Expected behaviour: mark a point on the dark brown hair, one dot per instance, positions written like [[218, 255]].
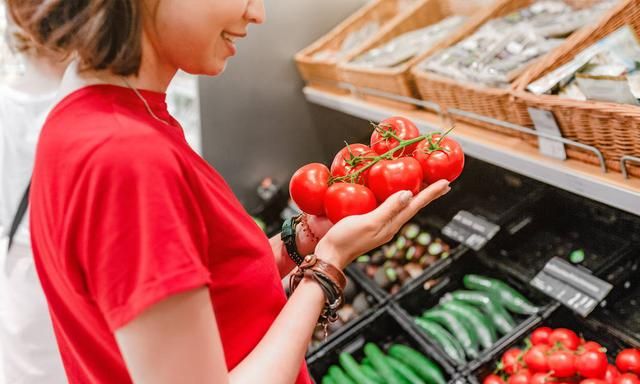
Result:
[[105, 34]]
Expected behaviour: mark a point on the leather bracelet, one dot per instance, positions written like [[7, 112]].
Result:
[[288, 237], [331, 280]]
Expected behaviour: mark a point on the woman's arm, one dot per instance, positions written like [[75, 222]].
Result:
[[177, 340], [304, 242]]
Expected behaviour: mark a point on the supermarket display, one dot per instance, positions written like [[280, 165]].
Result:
[[502, 48], [399, 158]]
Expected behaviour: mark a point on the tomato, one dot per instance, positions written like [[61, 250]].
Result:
[[628, 360], [611, 374], [346, 199], [536, 358], [562, 363], [308, 186], [592, 381], [445, 162], [592, 364], [511, 361], [627, 378], [566, 337], [345, 163], [387, 177], [521, 377], [403, 128], [540, 378], [591, 346], [541, 335], [493, 379]]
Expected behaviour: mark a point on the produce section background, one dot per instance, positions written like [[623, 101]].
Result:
[[255, 121]]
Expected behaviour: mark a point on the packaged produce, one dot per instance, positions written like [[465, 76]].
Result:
[[361, 177], [395, 264], [467, 322], [408, 45], [502, 48], [605, 71]]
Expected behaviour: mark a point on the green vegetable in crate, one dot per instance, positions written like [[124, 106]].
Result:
[[328, 380], [458, 327], [380, 364], [509, 297], [403, 370], [449, 344], [499, 316], [338, 376], [424, 367], [371, 373], [351, 367], [483, 326]]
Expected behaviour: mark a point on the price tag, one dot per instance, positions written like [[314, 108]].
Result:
[[573, 287], [470, 230], [545, 122]]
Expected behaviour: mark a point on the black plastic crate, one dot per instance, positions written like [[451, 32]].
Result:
[[427, 292], [355, 293], [560, 318], [559, 225], [383, 328]]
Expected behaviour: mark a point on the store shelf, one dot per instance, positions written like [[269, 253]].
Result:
[[507, 152]]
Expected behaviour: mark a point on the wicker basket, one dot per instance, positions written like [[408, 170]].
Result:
[[495, 103], [612, 128], [398, 80], [325, 72]]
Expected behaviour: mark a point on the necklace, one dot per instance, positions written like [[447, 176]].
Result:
[[144, 101]]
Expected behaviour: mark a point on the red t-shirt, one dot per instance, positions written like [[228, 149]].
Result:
[[125, 214]]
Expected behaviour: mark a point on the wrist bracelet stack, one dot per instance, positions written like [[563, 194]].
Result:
[[332, 281]]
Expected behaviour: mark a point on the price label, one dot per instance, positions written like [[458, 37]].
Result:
[[470, 230], [545, 122], [575, 288]]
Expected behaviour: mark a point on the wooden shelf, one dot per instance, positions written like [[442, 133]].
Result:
[[506, 152]]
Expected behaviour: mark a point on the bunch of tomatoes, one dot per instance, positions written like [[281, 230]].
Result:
[[560, 356], [363, 176]]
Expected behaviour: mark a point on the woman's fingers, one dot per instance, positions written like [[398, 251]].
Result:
[[422, 199]]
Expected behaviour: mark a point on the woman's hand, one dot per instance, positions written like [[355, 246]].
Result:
[[356, 235]]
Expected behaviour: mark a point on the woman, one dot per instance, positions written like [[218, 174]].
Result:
[[152, 270], [29, 351]]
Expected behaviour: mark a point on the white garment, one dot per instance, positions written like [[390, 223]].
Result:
[[29, 349]]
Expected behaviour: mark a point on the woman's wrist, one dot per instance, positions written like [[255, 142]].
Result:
[[329, 254]]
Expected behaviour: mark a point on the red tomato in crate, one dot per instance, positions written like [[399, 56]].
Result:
[[541, 335], [627, 378], [592, 364], [347, 199], [628, 360], [590, 346], [493, 379], [536, 358], [308, 186], [611, 374], [342, 163], [566, 337], [521, 377], [592, 381], [562, 363], [540, 378], [402, 127], [511, 361], [387, 177], [446, 162]]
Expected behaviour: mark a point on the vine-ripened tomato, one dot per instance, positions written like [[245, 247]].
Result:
[[387, 177], [592, 364], [541, 335], [347, 199], [308, 187], [628, 360], [342, 163], [511, 361], [566, 337], [540, 378], [536, 358], [627, 378], [612, 374], [562, 363], [493, 379], [440, 159], [592, 381], [402, 127], [590, 346], [523, 376]]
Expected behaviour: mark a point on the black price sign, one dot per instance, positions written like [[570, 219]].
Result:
[[573, 287], [470, 230]]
